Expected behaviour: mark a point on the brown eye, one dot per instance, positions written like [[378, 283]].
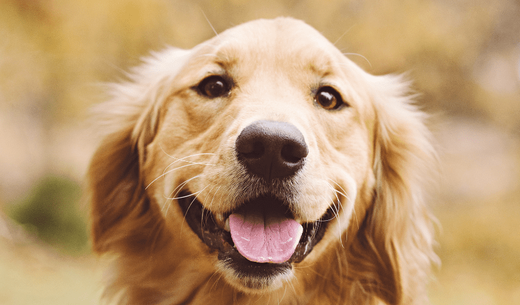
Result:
[[214, 86], [329, 99]]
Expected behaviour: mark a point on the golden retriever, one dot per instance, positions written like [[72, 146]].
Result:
[[262, 167]]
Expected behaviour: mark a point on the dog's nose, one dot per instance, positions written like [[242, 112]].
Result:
[[271, 149]]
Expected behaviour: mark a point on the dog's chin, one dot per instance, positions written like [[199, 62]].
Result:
[[240, 272], [253, 277]]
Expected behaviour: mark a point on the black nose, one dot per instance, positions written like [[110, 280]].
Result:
[[271, 149]]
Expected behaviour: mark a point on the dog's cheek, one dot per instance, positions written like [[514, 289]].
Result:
[[158, 182], [314, 196], [161, 188]]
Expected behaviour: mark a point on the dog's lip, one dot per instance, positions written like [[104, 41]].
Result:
[[214, 232]]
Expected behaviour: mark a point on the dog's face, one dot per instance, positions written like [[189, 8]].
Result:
[[273, 135], [258, 153]]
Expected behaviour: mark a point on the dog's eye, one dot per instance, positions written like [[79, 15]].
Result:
[[214, 86], [329, 98]]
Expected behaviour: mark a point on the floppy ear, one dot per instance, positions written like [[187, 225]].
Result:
[[394, 251], [120, 209]]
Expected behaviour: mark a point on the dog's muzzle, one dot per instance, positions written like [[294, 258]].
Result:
[[261, 238]]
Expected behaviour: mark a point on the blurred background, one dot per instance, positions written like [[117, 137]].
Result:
[[463, 55]]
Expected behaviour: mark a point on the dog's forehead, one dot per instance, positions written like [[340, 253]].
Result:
[[281, 41], [286, 31]]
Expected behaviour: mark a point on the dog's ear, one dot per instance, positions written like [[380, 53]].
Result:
[[129, 120], [396, 238]]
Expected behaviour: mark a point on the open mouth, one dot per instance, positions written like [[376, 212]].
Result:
[[257, 240]]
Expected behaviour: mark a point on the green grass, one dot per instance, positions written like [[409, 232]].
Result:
[[52, 213], [49, 263]]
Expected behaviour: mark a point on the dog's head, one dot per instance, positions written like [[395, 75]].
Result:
[[260, 155]]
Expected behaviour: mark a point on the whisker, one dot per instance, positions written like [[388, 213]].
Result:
[[340, 260], [215, 281], [186, 196], [336, 207], [291, 284], [340, 235], [310, 268], [211, 25], [178, 189], [179, 159], [318, 224], [335, 210], [191, 162], [345, 33], [344, 193], [189, 206], [359, 55], [154, 236], [167, 172], [284, 292], [204, 209]]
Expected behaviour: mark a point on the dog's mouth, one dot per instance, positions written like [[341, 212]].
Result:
[[259, 239]]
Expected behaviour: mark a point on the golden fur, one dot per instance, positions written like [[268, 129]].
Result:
[[161, 136]]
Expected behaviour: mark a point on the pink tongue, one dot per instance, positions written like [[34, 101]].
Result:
[[264, 238]]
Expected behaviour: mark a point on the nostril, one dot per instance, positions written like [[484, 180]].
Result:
[[294, 153], [250, 150]]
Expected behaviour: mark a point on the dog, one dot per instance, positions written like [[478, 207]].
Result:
[[262, 167]]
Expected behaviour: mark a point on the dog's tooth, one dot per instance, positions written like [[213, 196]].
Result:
[[219, 218], [226, 225]]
